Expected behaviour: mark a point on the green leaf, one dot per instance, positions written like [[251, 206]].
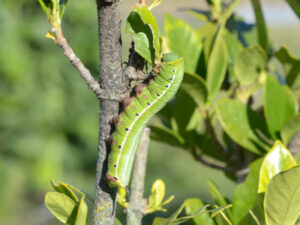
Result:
[[245, 194], [290, 129], [44, 7], [279, 105], [218, 197], [82, 213], [261, 25], [62, 4], [195, 86], [183, 117], [183, 40], [117, 222], [216, 67], [278, 159], [234, 48], [249, 64], [243, 125], [282, 198], [156, 197], [165, 134], [64, 189], [154, 3], [192, 206], [295, 5], [209, 32], [142, 25], [61, 206], [200, 14], [219, 215], [219, 210], [292, 69], [174, 220]]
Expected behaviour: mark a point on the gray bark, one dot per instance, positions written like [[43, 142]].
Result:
[[113, 83]]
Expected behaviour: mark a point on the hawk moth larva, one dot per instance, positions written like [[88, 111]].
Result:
[[138, 110]]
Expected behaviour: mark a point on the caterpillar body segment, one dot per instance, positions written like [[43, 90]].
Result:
[[149, 99]]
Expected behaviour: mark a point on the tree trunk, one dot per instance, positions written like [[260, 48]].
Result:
[[113, 83]]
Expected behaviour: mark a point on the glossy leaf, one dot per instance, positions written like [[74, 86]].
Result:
[[218, 197], [282, 198], [82, 213], [243, 125], [195, 86], [245, 194], [260, 24], [249, 63], [61, 206], [142, 25], [279, 105], [183, 40], [192, 206], [278, 159], [295, 5], [290, 129], [216, 67]]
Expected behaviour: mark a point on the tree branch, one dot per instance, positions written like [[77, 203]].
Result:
[[137, 204], [61, 41], [112, 80]]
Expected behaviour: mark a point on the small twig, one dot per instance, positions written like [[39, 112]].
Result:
[[61, 41], [134, 74], [143, 2], [212, 165], [137, 204], [199, 158]]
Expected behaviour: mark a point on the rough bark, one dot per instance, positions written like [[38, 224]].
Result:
[[113, 83]]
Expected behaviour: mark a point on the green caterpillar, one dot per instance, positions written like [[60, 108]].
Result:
[[149, 98]]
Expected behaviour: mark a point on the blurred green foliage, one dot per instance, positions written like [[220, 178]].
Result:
[[49, 119]]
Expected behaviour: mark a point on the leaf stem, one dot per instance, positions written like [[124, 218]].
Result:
[[61, 41]]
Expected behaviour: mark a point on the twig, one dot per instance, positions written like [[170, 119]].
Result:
[[199, 158], [61, 41], [143, 2], [134, 74], [137, 204], [212, 165]]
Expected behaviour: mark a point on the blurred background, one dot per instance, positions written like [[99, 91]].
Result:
[[49, 119]]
